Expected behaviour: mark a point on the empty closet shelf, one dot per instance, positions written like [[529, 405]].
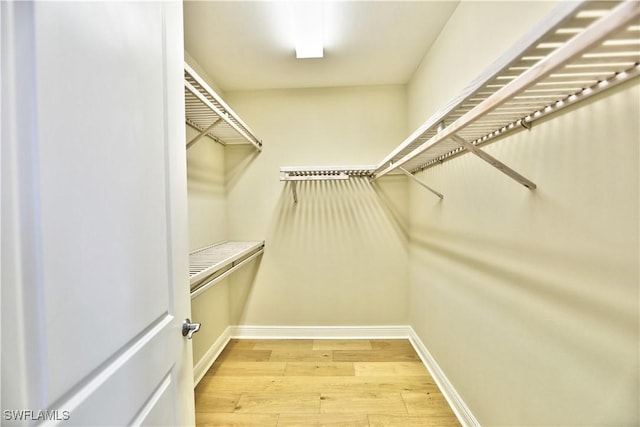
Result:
[[208, 113], [580, 50], [212, 263], [320, 173]]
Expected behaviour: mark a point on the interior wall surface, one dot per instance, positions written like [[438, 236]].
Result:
[[529, 300], [206, 191], [338, 257]]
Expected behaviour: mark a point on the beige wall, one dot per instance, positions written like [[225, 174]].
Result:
[[339, 256], [528, 300], [206, 192]]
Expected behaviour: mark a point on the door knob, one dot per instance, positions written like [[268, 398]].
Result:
[[188, 328]]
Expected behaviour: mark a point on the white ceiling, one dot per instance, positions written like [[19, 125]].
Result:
[[245, 45]]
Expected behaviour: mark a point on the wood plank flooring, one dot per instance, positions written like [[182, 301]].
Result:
[[320, 383]]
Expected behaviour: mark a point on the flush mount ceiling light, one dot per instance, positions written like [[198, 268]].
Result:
[[307, 28]]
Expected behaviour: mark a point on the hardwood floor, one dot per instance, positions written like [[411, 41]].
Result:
[[320, 383]]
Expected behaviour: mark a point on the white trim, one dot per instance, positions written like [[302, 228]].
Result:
[[320, 332], [462, 411], [205, 363]]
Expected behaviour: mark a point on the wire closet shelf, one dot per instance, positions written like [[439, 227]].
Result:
[[209, 265], [580, 50], [293, 174], [211, 116]]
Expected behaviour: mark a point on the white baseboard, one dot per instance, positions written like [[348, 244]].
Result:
[[462, 411], [320, 332], [203, 365], [458, 406]]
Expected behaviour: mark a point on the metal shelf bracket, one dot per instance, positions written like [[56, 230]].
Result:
[[494, 162], [294, 191], [203, 133], [410, 175]]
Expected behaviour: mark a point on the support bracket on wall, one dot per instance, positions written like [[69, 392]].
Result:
[[294, 181], [203, 133], [494, 162], [410, 175], [294, 191]]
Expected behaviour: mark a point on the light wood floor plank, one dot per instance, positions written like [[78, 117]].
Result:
[[402, 355], [366, 403], [323, 420], [241, 384], [381, 420], [356, 384], [216, 401], [210, 419], [238, 369], [382, 369], [342, 345], [283, 345], [301, 356], [392, 344], [241, 355], [320, 382], [241, 344], [275, 403], [314, 369], [426, 404]]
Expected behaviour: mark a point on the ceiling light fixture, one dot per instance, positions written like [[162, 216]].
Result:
[[307, 24]]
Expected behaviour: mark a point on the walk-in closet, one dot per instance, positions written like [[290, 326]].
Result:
[[486, 208], [306, 213]]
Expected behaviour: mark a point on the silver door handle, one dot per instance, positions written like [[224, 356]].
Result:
[[188, 328]]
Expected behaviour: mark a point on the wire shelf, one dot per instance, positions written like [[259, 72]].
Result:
[[210, 263], [209, 114], [582, 49]]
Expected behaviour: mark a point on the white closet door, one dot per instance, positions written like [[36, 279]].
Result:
[[94, 251]]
